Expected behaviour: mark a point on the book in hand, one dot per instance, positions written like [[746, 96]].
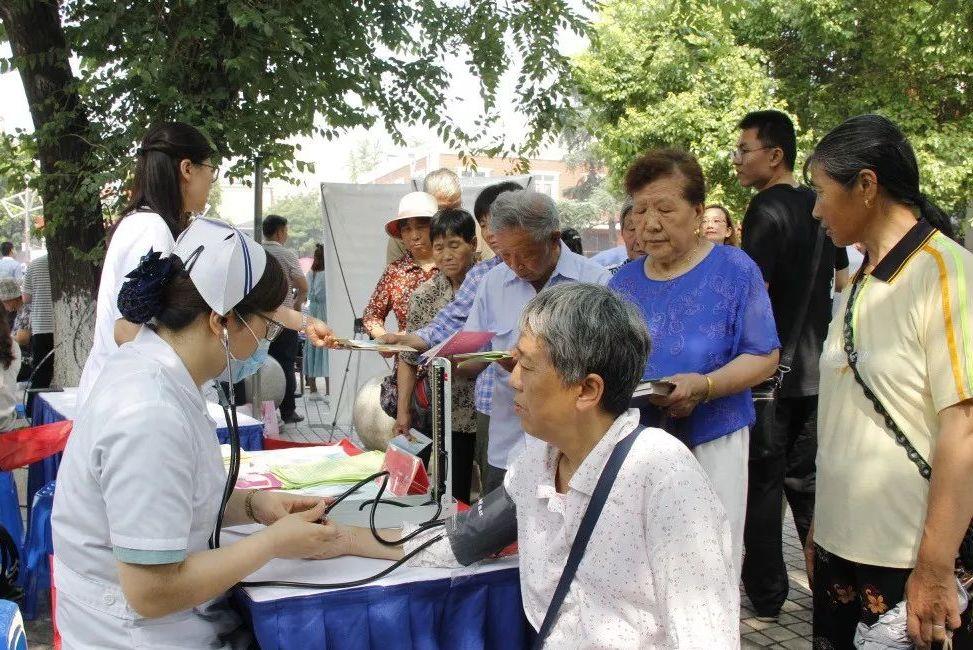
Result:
[[651, 388], [372, 346]]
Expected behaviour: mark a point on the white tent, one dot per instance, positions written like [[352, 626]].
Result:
[[354, 252]]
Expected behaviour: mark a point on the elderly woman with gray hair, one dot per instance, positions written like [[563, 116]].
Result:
[[657, 571], [709, 315]]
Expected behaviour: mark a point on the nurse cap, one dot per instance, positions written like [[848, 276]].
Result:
[[222, 262]]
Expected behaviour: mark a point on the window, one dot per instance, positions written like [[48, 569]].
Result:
[[547, 183], [479, 172]]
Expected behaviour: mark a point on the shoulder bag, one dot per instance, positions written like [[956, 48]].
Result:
[[762, 438], [588, 521]]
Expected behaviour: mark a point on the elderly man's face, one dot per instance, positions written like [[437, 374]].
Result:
[[531, 260], [541, 400], [14, 304]]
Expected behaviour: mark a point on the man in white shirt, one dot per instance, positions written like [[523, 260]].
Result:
[[9, 266], [658, 570]]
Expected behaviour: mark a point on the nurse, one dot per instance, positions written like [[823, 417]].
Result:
[[142, 478]]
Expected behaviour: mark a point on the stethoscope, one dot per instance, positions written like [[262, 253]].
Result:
[[229, 406]]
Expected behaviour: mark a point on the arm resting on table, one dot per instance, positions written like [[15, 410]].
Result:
[[484, 530]]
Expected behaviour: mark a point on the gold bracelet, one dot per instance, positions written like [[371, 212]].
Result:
[[709, 388], [248, 506]]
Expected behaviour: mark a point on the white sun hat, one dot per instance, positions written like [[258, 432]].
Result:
[[223, 263], [412, 205]]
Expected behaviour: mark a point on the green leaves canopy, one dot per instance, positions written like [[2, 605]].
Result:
[[683, 72], [255, 74]]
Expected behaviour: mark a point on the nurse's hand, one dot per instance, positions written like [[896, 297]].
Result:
[[301, 535], [268, 507]]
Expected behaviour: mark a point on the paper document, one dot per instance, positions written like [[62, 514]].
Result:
[[372, 346], [413, 443], [459, 343], [331, 471]]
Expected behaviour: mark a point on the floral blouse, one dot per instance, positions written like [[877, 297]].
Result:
[[393, 291], [426, 302]]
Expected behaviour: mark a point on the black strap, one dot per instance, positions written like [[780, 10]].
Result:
[[787, 357], [966, 546], [852, 356], [588, 521]]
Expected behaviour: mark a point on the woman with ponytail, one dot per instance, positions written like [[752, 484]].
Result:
[[174, 171], [895, 414]]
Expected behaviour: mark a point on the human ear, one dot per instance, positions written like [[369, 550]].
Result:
[[590, 391], [185, 169]]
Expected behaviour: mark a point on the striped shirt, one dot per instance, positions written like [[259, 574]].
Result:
[[290, 264], [37, 285], [913, 333]]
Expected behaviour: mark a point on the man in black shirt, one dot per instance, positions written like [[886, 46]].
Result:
[[779, 233]]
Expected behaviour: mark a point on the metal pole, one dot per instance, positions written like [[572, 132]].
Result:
[[258, 198], [258, 217]]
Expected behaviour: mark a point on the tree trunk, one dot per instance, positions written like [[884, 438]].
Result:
[[68, 185]]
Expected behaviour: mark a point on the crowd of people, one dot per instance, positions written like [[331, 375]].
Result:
[[773, 398]]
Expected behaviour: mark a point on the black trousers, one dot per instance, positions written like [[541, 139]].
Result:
[[790, 473], [846, 593], [43, 370], [284, 350]]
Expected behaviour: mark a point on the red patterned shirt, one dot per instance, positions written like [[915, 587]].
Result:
[[393, 291]]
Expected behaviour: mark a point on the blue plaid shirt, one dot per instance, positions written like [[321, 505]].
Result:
[[452, 318]]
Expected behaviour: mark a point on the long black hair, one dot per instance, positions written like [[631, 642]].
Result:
[[156, 185], [876, 143]]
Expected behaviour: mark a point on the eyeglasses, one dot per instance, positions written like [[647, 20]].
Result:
[[215, 168], [274, 328], [737, 154]]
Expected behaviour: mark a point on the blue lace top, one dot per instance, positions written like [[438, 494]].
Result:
[[699, 322]]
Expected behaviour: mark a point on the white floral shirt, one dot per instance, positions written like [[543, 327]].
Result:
[[657, 572]]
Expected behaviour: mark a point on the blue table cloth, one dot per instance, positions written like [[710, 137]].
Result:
[[475, 612]]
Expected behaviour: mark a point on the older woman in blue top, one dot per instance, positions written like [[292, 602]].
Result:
[[709, 316]]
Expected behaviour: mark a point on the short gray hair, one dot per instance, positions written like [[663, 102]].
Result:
[[588, 329], [527, 209]]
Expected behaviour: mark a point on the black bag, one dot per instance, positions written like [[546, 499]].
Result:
[[763, 442], [9, 567], [966, 546], [421, 410]]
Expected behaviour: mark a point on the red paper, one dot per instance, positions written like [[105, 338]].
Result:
[[22, 447], [407, 475], [461, 342]]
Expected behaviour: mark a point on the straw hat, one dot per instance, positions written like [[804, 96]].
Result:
[[413, 205]]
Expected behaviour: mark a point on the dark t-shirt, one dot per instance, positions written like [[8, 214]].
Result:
[[779, 234]]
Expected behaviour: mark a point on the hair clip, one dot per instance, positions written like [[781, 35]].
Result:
[[140, 298]]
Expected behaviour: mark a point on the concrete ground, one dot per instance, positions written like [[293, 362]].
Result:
[[792, 631]]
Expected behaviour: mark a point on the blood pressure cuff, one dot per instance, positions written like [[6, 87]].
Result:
[[484, 530]]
